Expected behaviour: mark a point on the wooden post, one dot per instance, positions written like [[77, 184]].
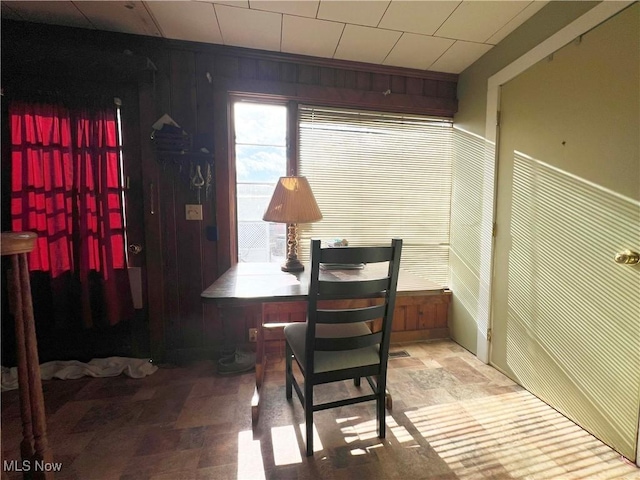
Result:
[[34, 446]]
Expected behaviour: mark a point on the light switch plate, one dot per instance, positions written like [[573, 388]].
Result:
[[193, 212]]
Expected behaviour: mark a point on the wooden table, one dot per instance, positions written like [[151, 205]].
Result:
[[34, 448], [264, 283]]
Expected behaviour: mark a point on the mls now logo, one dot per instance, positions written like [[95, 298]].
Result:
[[31, 466]]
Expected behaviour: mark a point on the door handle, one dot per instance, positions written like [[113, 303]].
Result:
[[135, 248], [627, 257]]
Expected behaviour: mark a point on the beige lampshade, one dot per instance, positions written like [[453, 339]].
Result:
[[292, 202]]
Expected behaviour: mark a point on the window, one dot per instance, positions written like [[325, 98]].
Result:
[[261, 159], [377, 176]]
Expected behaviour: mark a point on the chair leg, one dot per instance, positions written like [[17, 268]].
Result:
[[356, 381], [289, 370], [380, 407], [308, 415], [381, 414]]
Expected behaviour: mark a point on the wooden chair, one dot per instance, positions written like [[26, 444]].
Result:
[[337, 344]]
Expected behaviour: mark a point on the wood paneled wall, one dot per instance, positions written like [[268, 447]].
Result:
[[192, 83], [416, 317]]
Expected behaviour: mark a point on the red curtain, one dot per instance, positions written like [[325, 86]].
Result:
[[66, 188]]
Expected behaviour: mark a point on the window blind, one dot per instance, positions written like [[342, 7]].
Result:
[[377, 176]]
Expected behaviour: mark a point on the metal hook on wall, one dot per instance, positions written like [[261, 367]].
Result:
[[197, 180]]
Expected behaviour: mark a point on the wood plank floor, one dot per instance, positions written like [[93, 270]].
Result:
[[453, 418]]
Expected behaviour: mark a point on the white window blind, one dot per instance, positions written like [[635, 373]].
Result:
[[377, 176]]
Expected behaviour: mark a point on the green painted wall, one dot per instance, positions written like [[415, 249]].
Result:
[[470, 155]]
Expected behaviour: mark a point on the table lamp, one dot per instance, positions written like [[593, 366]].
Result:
[[292, 203]]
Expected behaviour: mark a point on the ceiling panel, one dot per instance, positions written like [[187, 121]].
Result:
[[124, 17], [242, 27], [194, 21], [417, 17], [8, 12], [364, 12], [366, 44], [459, 56], [57, 13], [478, 21], [306, 8], [307, 36], [423, 34], [231, 3], [417, 51]]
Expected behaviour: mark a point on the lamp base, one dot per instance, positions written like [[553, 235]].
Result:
[[292, 265]]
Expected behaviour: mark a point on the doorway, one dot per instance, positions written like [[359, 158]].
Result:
[[566, 321]]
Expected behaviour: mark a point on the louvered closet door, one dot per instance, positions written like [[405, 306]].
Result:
[[566, 317]]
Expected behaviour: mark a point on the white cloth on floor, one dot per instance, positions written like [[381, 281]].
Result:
[[72, 369]]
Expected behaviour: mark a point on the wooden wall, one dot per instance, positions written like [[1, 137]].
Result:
[[192, 83]]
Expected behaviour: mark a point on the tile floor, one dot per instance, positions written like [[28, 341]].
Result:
[[453, 418]]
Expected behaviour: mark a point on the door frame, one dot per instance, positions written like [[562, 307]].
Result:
[[591, 19]]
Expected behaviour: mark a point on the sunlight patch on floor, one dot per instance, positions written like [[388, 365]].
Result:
[[400, 433], [286, 450], [317, 444], [346, 428], [250, 463], [515, 433]]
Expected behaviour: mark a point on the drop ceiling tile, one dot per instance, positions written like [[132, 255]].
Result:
[[477, 21], [306, 8], [366, 44], [231, 3], [292, 26], [7, 13], [417, 17], [124, 17], [243, 27], [192, 21], [308, 36], [56, 13], [459, 56], [529, 11], [364, 12], [417, 51]]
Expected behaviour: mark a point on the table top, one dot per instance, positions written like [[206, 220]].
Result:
[[17, 242], [257, 282]]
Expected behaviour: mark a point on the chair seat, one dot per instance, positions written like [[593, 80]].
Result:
[[330, 361]]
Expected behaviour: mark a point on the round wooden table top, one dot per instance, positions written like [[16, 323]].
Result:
[[17, 242]]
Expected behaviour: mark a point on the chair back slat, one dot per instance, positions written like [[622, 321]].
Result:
[[348, 343], [351, 315], [349, 255], [352, 288]]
